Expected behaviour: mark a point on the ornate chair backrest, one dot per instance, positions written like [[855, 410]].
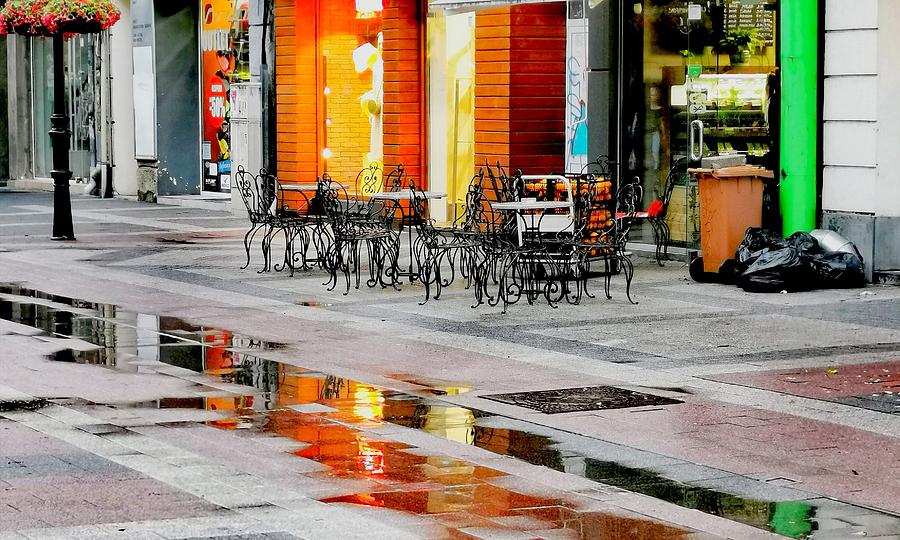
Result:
[[585, 198], [395, 180], [602, 166], [249, 188], [424, 224], [335, 209], [274, 195], [628, 198], [269, 192], [676, 174], [474, 196], [502, 188], [368, 180]]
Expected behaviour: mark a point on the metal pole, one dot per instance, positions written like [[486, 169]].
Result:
[[799, 152], [59, 137]]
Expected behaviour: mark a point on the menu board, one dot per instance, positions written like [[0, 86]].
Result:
[[744, 14]]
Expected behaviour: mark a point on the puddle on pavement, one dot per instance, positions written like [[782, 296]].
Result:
[[330, 417], [434, 387]]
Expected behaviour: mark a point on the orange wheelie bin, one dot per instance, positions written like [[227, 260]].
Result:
[[731, 200]]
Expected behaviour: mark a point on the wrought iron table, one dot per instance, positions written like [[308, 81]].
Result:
[[536, 225], [396, 197]]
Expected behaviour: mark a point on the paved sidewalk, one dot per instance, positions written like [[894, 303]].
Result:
[[152, 389]]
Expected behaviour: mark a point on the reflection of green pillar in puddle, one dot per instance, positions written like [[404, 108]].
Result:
[[791, 519], [799, 33]]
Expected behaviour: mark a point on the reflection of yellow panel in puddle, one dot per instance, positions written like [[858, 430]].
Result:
[[369, 403], [452, 423]]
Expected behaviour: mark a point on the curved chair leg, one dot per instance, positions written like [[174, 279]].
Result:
[[657, 238], [287, 233], [248, 240], [607, 281], [628, 270], [266, 249], [666, 237]]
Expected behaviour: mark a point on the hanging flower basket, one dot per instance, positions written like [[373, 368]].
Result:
[[47, 18]]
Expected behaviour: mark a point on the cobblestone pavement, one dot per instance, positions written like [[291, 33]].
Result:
[[151, 388]]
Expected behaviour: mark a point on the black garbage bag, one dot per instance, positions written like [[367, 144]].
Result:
[[805, 242], [839, 270], [785, 269], [756, 241]]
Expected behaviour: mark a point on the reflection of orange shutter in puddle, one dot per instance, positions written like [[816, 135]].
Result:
[[233, 407], [219, 360]]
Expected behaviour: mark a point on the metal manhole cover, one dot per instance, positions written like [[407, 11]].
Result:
[[880, 402], [592, 398]]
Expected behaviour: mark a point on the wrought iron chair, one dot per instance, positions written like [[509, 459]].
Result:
[[655, 214], [296, 222], [349, 235], [257, 206], [595, 237], [361, 207], [434, 248], [596, 234], [512, 267]]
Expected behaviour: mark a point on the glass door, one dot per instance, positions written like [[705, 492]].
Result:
[[697, 82], [662, 43]]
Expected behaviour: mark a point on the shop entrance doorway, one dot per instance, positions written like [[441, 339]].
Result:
[[698, 80]]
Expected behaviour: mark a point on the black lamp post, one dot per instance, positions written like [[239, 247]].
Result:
[[59, 138]]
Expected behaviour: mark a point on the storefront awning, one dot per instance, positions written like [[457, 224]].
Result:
[[471, 5]]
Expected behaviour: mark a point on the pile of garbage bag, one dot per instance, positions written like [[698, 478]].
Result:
[[766, 262]]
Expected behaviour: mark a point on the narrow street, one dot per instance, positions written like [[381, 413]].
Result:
[[151, 388]]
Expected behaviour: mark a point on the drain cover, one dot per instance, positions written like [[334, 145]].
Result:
[[592, 398], [883, 402]]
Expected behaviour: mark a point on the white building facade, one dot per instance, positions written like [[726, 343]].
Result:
[[861, 132]]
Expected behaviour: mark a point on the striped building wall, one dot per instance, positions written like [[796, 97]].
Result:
[[404, 79], [297, 95], [520, 87]]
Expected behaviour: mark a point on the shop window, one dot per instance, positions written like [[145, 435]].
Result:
[[81, 93], [351, 85], [706, 67], [224, 42]]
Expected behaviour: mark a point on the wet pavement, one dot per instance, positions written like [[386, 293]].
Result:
[[243, 409], [870, 386], [331, 417]]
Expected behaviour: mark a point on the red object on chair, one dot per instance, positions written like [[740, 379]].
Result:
[[656, 208]]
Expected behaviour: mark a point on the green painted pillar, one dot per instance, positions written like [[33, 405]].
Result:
[[799, 33]]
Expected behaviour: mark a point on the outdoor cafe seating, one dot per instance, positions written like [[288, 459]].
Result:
[[532, 237]]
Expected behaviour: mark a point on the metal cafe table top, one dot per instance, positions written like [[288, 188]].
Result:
[[516, 206], [310, 187], [406, 195]]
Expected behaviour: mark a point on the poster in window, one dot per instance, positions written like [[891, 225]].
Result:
[[224, 42]]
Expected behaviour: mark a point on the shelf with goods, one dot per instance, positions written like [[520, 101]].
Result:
[[602, 206], [727, 131]]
